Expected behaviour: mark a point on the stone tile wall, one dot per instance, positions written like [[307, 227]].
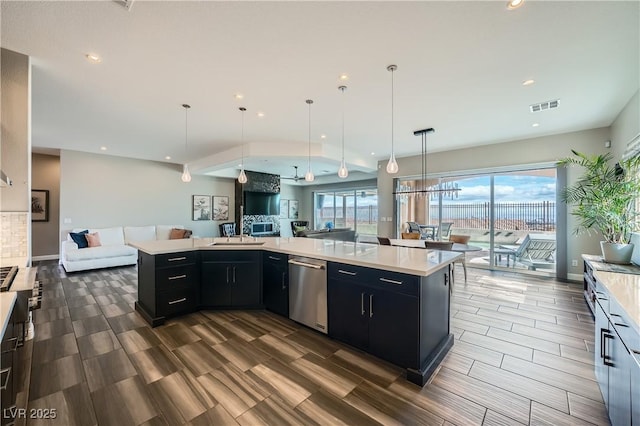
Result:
[[13, 234]]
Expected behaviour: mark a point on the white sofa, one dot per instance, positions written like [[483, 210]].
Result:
[[114, 250]]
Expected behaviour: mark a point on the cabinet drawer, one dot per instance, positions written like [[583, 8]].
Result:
[[170, 278], [386, 280], [623, 325], [177, 301], [275, 258], [231, 256], [175, 259]]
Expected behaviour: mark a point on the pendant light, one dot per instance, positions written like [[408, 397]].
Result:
[[309, 175], [342, 171], [242, 178], [392, 165], [186, 176]]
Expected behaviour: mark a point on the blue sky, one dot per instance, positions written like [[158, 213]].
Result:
[[508, 188]]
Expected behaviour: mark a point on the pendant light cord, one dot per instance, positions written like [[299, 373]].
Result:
[[242, 110], [343, 88], [392, 144], [309, 159]]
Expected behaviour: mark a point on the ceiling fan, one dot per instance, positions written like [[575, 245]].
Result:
[[295, 178]]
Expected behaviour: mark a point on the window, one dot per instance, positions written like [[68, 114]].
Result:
[[354, 208]]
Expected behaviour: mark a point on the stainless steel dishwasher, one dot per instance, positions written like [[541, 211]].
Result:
[[308, 292]]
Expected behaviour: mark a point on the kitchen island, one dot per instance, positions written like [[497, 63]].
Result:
[[392, 302]]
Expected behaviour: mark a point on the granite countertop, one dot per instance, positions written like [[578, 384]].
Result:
[[406, 260], [7, 300], [625, 288]]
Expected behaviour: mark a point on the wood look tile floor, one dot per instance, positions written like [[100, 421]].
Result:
[[523, 354]]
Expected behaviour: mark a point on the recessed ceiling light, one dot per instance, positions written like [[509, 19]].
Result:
[[239, 165], [373, 153], [528, 82], [238, 96], [344, 77], [167, 158], [260, 114], [514, 4], [103, 148], [323, 136], [535, 124], [93, 58]]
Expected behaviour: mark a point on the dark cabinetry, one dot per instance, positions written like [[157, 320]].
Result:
[[615, 365], [168, 285], [9, 364], [275, 282], [380, 312], [231, 278], [635, 389]]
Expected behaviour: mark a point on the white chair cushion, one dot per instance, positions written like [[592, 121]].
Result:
[[110, 236], [139, 233], [163, 231], [104, 251]]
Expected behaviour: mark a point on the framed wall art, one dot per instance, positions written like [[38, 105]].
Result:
[[284, 209], [293, 209], [40, 205], [220, 207], [201, 207]]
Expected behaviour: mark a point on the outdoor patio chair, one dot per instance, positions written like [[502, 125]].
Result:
[[445, 229], [536, 251]]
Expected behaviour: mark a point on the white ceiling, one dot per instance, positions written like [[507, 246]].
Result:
[[460, 69]]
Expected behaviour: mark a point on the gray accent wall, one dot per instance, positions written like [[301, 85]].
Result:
[[45, 175], [98, 191]]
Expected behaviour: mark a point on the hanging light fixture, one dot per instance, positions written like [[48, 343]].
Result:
[[392, 165], [450, 189], [242, 177], [342, 171], [186, 176], [309, 175]]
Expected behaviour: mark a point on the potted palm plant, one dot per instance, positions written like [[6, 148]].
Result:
[[604, 199]]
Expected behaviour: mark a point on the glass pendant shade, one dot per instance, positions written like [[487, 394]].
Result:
[[186, 176], [392, 165], [309, 177], [342, 171], [242, 178]]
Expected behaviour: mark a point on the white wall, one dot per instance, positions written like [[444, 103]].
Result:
[[101, 191], [626, 126], [529, 151]]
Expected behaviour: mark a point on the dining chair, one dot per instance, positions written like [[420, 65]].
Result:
[[448, 245], [410, 236], [384, 241], [460, 239]]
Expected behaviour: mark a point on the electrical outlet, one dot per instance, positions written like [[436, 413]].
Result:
[[574, 262], [67, 220]]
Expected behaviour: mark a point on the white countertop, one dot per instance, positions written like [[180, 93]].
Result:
[[398, 259], [7, 300], [625, 288]]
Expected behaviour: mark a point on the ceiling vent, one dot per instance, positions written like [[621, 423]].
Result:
[[126, 3], [543, 106]]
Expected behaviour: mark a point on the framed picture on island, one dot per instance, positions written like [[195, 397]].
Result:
[[39, 205], [293, 209], [220, 208], [284, 209], [201, 207]]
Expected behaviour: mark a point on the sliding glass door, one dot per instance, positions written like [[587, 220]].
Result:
[[354, 209], [510, 216]]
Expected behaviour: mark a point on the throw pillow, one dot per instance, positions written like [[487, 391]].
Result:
[[79, 238], [187, 233], [176, 234], [93, 239]]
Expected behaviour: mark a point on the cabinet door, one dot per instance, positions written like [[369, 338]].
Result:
[[394, 320], [215, 284], [601, 370], [245, 283], [275, 283], [619, 381], [348, 306]]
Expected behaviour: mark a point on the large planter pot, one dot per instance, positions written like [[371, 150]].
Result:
[[616, 253]]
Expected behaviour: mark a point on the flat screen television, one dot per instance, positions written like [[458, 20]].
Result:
[[261, 203]]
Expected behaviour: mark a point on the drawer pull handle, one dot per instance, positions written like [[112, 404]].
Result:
[[284, 275], [15, 346], [173, 302], [387, 280], [361, 304], [371, 306], [173, 259], [620, 324], [178, 277], [6, 371], [342, 271], [274, 258]]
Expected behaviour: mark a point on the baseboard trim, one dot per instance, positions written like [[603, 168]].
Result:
[[575, 277], [47, 257]]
